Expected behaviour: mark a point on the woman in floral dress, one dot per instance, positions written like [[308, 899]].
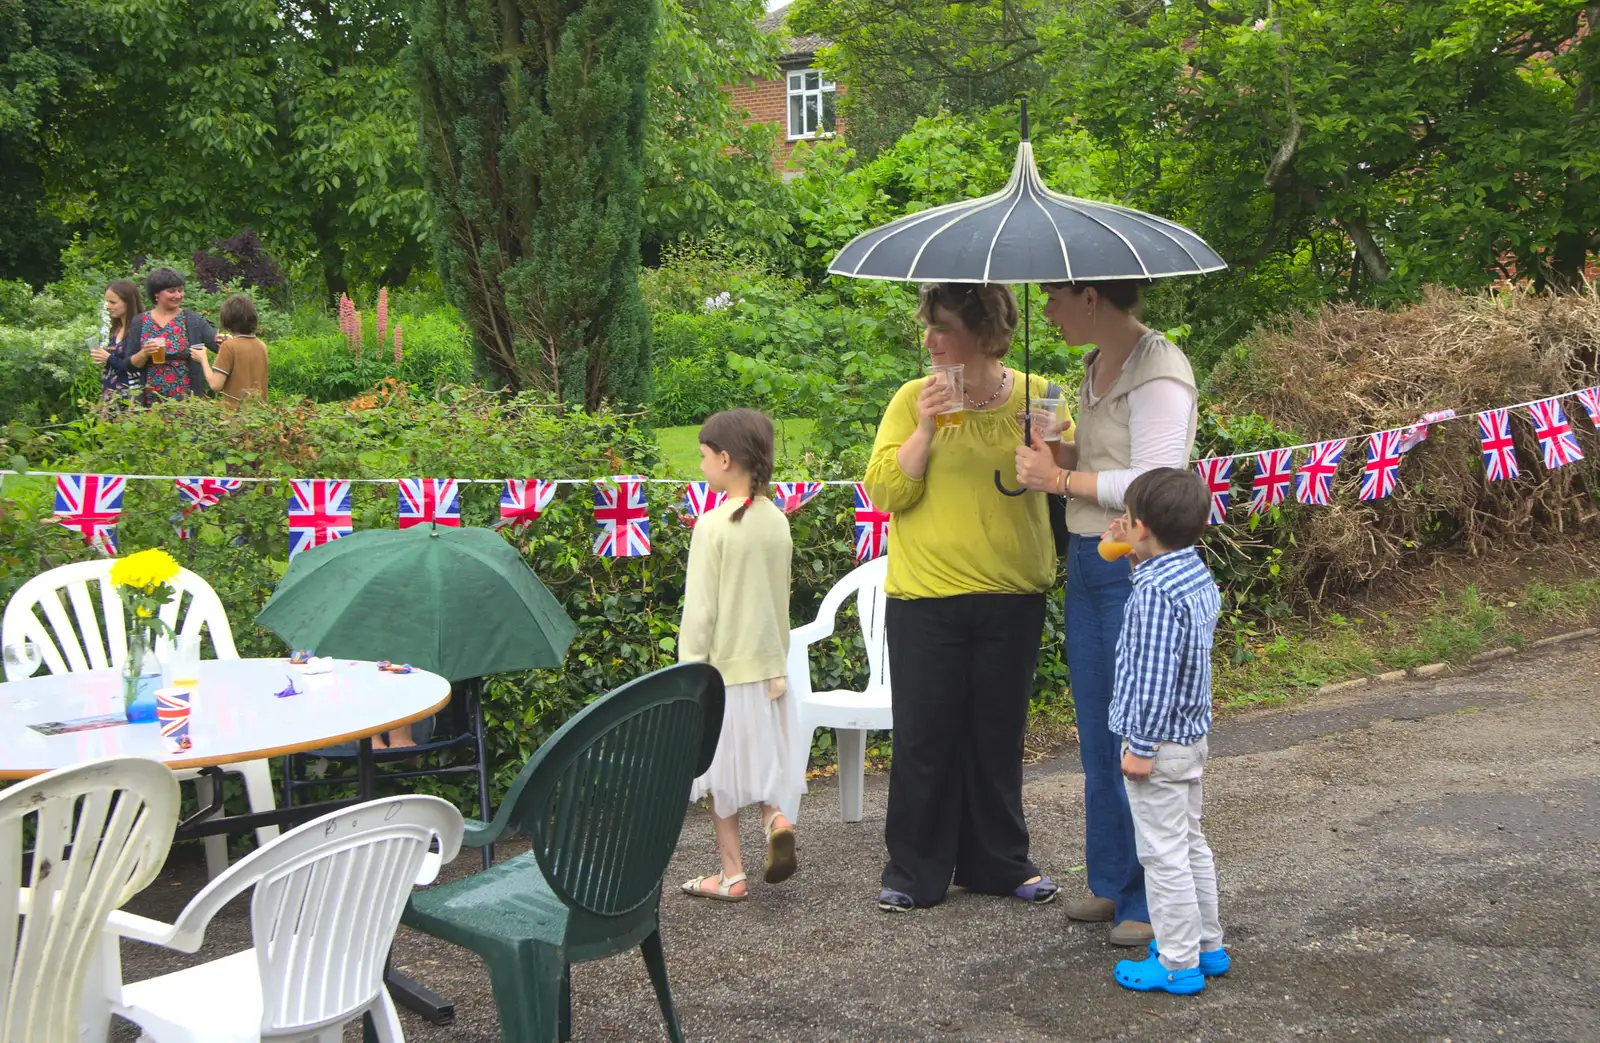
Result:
[[181, 335]]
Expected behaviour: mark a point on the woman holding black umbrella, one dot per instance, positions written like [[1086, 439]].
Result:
[[969, 571], [1136, 411]]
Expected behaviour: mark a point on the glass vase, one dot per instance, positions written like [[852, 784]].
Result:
[[141, 677]]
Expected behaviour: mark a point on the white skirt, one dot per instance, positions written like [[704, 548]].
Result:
[[752, 763]]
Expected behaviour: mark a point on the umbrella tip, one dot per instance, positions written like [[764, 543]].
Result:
[[1024, 119]]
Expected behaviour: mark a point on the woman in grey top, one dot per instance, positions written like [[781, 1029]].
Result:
[[1136, 411]]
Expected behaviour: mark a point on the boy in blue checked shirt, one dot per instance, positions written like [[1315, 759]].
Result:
[[1161, 706]]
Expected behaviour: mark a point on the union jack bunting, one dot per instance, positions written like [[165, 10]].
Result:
[[1382, 473], [623, 517], [1313, 483], [698, 498], [1274, 472], [794, 495], [1590, 397], [872, 527], [319, 512], [524, 499], [430, 500], [1555, 435], [172, 711], [199, 493], [1217, 471], [1499, 457], [91, 504]]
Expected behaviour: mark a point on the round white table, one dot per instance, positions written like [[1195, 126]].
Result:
[[236, 714]]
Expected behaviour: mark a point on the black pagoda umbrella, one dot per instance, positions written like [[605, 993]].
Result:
[[1026, 234]]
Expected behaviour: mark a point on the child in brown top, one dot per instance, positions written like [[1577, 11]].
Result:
[[241, 366]]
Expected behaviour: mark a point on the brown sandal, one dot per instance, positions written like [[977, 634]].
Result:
[[781, 863]]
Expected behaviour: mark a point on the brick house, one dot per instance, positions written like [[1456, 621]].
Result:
[[800, 101]]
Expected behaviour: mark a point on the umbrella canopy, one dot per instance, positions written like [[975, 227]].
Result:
[[458, 602], [1026, 233]]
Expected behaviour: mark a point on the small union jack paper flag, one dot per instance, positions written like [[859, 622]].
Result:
[[794, 495], [172, 712], [91, 504], [872, 527], [623, 517], [1313, 483], [1382, 473], [524, 499], [430, 500], [1555, 435], [1590, 399], [1274, 472], [1499, 456], [197, 493], [319, 512], [698, 498], [1217, 472]]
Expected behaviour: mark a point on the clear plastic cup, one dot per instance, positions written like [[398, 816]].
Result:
[[1048, 417], [954, 378]]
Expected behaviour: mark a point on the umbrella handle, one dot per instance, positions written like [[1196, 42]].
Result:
[[998, 484]]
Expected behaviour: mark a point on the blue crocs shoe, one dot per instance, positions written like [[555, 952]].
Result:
[[1150, 976], [1213, 964]]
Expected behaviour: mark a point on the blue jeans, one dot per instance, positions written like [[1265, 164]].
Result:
[[1097, 590]]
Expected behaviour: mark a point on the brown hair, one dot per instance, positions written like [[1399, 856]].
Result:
[[129, 293], [746, 436], [1174, 505], [987, 310], [1122, 294], [239, 315]]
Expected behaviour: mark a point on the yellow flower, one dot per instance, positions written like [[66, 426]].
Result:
[[145, 570]]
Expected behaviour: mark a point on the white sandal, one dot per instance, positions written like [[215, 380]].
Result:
[[724, 891]]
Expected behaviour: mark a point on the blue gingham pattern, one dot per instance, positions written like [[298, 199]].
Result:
[[1162, 691]]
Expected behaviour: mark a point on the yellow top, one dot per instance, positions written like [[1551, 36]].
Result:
[[952, 532], [736, 595]]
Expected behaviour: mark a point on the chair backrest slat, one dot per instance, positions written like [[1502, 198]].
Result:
[[101, 832], [605, 798]]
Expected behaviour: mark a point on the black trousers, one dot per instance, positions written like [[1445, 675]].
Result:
[[960, 675]]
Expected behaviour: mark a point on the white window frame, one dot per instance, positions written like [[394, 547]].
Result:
[[795, 87]]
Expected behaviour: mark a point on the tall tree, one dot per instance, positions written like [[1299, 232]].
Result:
[[533, 127]]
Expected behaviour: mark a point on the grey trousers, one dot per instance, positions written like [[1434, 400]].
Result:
[[1180, 876]]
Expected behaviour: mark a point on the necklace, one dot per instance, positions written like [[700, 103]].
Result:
[[1005, 375]]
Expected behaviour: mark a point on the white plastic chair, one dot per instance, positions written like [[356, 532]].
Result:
[[101, 832], [76, 639], [850, 714], [328, 897]]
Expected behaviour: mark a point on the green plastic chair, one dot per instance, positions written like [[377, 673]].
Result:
[[602, 803]]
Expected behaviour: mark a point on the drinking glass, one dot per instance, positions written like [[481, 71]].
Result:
[[1048, 416], [954, 378], [22, 658]]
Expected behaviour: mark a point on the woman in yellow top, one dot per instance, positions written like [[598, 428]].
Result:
[[969, 571]]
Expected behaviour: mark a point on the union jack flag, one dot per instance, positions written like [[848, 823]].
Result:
[[623, 517], [1218, 474], [872, 527], [698, 498], [319, 512], [1274, 472], [794, 495], [1382, 473], [1313, 483], [1499, 457], [524, 499], [91, 504], [199, 493], [1590, 397], [425, 500], [172, 711], [1555, 435]]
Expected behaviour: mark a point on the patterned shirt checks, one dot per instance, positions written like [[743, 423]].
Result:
[[1162, 691]]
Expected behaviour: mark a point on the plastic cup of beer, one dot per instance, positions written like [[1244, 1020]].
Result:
[[184, 666], [954, 379], [157, 346], [1045, 417]]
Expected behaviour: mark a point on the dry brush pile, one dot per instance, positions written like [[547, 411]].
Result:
[[1349, 371]]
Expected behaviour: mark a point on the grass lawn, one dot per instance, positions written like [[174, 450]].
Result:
[[681, 449]]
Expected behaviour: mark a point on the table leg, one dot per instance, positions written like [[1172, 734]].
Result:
[[366, 770]]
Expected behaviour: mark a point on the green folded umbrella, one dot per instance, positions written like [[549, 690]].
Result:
[[458, 602]]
